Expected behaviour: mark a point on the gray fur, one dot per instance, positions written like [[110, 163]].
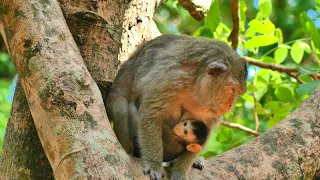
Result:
[[169, 74]]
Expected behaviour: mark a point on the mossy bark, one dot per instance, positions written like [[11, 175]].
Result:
[[23, 156]]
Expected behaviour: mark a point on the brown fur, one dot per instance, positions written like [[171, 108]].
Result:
[[169, 74]]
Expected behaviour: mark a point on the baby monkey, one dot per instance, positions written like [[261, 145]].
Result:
[[187, 135]]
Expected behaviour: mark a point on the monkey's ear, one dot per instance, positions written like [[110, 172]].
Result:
[[194, 148], [216, 68]]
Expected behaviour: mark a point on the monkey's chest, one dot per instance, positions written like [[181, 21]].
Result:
[[187, 107]]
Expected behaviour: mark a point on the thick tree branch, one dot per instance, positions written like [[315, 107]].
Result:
[[233, 37], [240, 127], [290, 150], [64, 100], [23, 156]]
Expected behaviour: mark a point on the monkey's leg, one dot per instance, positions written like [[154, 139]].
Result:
[[182, 166], [118, 112]]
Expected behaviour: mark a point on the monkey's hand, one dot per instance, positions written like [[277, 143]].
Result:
[[198, 164], [154, 169]]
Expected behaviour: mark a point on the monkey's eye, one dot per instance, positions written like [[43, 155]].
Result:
[[233, 90], [185, 123], [185, 132]]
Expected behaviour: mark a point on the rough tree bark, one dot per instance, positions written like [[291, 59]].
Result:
[[71, 123], [22, 148]]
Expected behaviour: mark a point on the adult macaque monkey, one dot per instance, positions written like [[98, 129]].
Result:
[[168, 74]]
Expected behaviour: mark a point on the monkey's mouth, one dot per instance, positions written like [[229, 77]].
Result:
[[178, 138]]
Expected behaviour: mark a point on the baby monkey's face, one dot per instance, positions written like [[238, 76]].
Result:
[[184, 131]]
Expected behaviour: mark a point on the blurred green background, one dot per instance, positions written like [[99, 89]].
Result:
[[289, 40], [271, 95]]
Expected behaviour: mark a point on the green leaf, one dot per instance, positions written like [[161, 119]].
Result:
[[305, 72], [274, 120], [283, 94], [272, 105], [308, 88], [311, 29], [297, 52], [203, 32], [243, 9], [284, 46], [209, 154], [279, 35], [261, 81], [265, 8], [225, 136], [212, 19], [265, 27], [258, 41], [268, 59], [280, 55], [305, 47]]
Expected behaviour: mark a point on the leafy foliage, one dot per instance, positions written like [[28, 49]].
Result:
[[7, 73], [274, 32]]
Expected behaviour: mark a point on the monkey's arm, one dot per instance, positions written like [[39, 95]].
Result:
[[150, 141], [118, 112]]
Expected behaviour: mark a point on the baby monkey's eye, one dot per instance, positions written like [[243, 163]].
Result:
[[233, 90], [185, 123], [185, 132]]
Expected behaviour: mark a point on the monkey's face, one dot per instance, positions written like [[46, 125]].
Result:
[[222, 84], [184, 131]]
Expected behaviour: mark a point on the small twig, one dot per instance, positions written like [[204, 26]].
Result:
[[296, 76], [255, 113], [292, 72], [239, 126]]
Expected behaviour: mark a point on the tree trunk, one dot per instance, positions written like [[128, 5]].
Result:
[[23, 156], [67, 107]]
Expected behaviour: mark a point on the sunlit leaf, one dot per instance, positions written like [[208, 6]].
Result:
[[273, 105], [268, 59], [212, 19], [297, 52], [258, 41], [284, 46], [265, 27], [280, 55], [265, 8], [279, 35], [261, 81], [283, 94], [243, 9]]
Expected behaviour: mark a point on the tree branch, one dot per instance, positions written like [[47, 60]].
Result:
[[292, 72], [233, 37], [290, 150], [240, 127], [197, 8]]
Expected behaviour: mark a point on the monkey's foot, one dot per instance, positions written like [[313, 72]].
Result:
[[199, 164], [153, 169]]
